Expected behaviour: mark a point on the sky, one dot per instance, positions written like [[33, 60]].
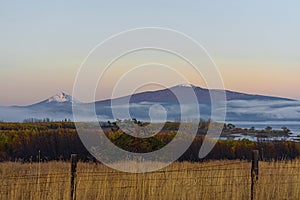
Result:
[[42, 44]]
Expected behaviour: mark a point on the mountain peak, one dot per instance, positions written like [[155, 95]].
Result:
[[61, 97]]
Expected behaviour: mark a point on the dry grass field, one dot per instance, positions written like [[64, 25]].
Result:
[[207, 180]]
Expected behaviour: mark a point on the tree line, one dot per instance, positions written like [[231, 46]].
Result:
[[58, 140]]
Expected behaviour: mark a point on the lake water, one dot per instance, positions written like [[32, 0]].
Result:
[[293, 126]]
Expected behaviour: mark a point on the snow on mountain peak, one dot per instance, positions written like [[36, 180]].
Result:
[[61, 97], [185, 85]]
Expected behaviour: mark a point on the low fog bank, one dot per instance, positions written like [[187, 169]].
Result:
[[236, 110]]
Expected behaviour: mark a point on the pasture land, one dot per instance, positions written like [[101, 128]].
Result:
[[207, 180]]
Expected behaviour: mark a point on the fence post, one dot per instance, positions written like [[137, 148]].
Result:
[[254, 171], [262, 154], [73, 176]]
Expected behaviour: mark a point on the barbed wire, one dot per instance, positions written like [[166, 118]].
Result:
[[35, 175]]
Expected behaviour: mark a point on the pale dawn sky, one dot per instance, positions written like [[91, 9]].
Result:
[[255, 44]]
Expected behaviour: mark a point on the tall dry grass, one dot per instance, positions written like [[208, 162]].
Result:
[[207, 180]]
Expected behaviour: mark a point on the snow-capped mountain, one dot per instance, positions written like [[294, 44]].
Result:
[[57, 107], [62, 97]]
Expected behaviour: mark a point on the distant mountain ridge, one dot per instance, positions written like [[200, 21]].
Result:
[[203, 95], [240, 106]]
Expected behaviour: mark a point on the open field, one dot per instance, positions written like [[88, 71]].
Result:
[[207, 180]]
